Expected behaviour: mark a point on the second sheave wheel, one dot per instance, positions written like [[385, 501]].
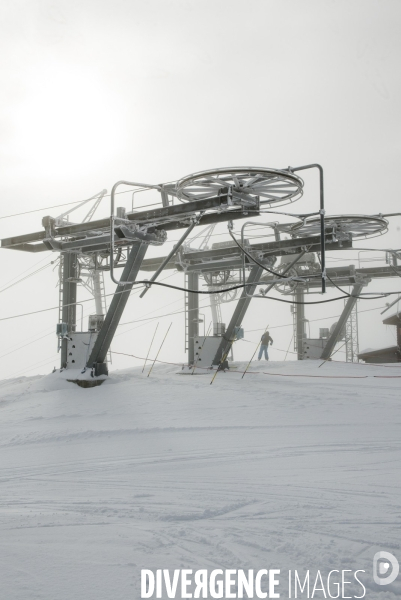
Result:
[[342, 227]]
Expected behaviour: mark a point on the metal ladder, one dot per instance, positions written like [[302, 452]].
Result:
[[102, 292]]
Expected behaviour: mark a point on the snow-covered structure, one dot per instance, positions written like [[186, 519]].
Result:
[[391, 353]]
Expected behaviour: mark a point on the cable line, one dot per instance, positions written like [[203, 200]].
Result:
[[145, 282], [26, 277]]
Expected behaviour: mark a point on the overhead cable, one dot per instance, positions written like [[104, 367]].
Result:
[[145, 282], [26, 277]]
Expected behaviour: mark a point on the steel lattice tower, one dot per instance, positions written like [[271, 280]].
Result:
[[351, 336]]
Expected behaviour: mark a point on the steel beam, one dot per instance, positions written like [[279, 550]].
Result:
[[346, 275], [30, 247], [100, 240], [349, 305], [239, 314], [276, 248], [24, 242], [300, 321], [192, 316], [178, 210], [69, 299], [97, 242], [341, 275], [229, 258], [226, 258], [232, 263], [116, 309]]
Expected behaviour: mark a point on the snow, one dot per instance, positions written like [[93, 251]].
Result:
[[293, 466], [368, 350]]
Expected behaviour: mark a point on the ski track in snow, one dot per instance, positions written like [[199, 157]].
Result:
[[171, 472]]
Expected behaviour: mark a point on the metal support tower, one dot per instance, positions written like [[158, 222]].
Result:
[[351, 336], [98, 292], [239, 313], [68, 299], [215, 307], [349, 305], [299, 322], [92, 279], [192, 315], [185, 312], [99, 352]]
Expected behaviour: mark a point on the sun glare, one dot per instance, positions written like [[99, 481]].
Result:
[[66, 121]]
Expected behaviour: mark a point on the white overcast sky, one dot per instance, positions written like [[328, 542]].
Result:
[[97, 91]]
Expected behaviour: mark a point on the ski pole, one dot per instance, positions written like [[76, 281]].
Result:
[[223, 358], [150, 370], [285, 357], [146, 359]]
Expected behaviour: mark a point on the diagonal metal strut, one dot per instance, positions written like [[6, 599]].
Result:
[[331, 342], [239, 313], [117, 305]]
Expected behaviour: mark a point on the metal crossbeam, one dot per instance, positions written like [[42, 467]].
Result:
[[231, 257], [31, 242], [273, 247], [347, 275], [177, 213]]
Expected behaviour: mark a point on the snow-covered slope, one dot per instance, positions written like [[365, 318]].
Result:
[[292, 466]]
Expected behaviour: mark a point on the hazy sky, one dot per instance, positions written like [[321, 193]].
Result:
[[96, 91]]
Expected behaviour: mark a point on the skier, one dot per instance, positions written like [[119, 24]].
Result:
[[265, 339]]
